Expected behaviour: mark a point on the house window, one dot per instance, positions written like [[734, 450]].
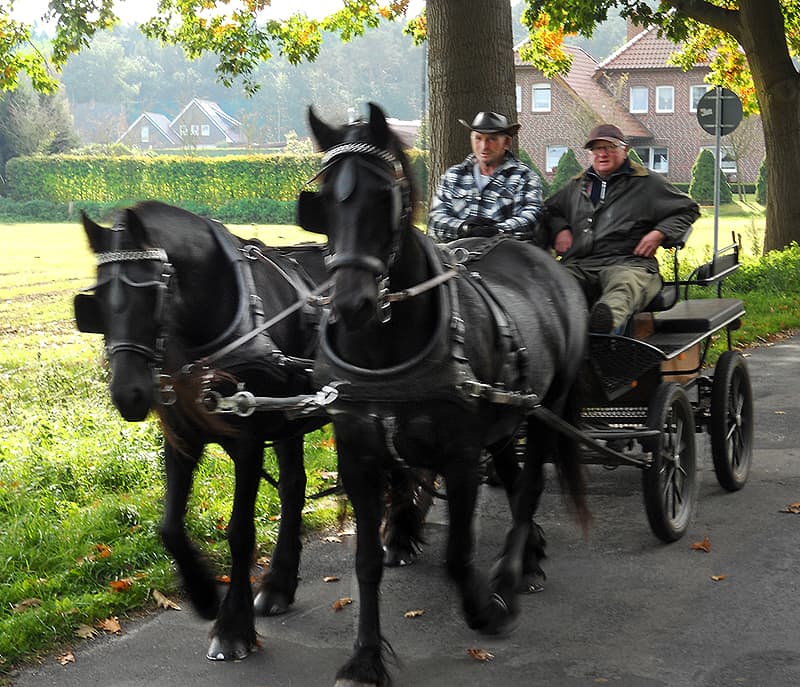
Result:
[[728, 162], [144, 134], [540, 97], [195, 129], [665, 99], [519, 98], [554, 154], [182, 130], [205, 130], [695, 93], [655, 159], [639, 97]]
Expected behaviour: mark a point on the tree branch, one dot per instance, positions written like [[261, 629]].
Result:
[[713, 15]]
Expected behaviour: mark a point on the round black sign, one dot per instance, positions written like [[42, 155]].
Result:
[[730, 111]]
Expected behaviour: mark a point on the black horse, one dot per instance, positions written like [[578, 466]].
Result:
[[434, 365], [176, 297]]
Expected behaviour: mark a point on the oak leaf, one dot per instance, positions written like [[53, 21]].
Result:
[[416, 613], [330, 578], [164, 602], [102, 551], [85, 631], [332, 539], [480, 654], [122, 585], [339, 604], [110, 625], [792, 508], [704, 545], [718, 578], [224, 579], [25, 604], [66, 658]]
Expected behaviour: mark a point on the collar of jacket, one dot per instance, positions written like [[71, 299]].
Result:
[[628, 168]]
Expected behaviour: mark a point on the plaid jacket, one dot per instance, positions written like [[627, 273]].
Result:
[[512, 199]]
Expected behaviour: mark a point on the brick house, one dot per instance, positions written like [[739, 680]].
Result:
[[654, 104], [202, 123]]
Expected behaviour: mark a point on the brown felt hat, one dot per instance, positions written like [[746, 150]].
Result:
[[491, 123], [605, 132]]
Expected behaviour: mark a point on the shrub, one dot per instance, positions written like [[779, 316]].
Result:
[[523, 155], [701, 187], [761, 183], [568, 166]]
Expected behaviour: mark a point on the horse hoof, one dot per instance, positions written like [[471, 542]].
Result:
[[270, 604], [531, 584], [223, 651], [501, 619], [396, 558], [353, 683]]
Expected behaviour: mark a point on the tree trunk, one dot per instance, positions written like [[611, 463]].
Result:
[[777, 83], [470, 69]]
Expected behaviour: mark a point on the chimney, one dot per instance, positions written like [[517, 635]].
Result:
[[632, 29]]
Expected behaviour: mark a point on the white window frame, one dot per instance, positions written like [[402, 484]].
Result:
[[638, 90], [669, 93], [541, 88], [694, 99], [648, 158], [183, 130], [144, 134], [195, 129], [728, 166], [550, 162], [205, 130]]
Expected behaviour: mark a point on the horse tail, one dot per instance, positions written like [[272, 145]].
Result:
[[571, 471]]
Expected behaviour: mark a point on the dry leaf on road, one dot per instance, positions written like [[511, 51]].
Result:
[[330, 578], [792, 508], [332, 540], [718, 578], [164, 602], [110, 625], [416, 613], [704, 545], [480, 654], [66, 658], [85, 631], [339, 604]]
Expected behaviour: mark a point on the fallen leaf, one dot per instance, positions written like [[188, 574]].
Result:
[[480, 654], [332, 539], [339, 604], [66, 658], [102, 550], [329, 475], [792, 508], [122, 585], [601, 680], [164, 602], [330, 578], [704, 545], [780, 412], [110, 625], [85, 632], [26, 604], [718, 578], [274, 518], [223, 579], [416, 613], [263, 561]]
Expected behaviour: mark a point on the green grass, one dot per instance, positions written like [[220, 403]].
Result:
[[80, 489]]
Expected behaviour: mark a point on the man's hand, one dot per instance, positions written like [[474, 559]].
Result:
[[479, 226], [563, 241], [646, 248]]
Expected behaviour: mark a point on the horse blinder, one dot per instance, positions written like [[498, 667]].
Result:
[[88, 316], [311, 213]]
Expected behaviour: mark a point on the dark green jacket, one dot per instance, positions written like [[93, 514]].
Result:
[[634, 202]]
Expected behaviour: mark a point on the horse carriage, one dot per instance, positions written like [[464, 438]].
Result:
[[417, 369]]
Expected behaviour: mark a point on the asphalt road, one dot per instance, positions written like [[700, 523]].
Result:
[[619, 607]]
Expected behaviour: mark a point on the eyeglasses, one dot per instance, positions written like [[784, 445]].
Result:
[[604, 149]]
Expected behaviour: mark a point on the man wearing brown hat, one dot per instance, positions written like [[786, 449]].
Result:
[[608, 222], [491, 192]]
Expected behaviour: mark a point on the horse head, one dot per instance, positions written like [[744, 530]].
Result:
[[364, 206], [127, 305]]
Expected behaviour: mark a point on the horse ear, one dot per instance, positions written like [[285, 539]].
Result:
[[311, 213], [134, 227], [378, 125], [96, 234], [324, 135]]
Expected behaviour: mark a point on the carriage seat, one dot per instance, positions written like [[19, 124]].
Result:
[[699, 315]]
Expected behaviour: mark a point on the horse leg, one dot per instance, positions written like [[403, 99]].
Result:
[[233, 636], [197, 579], [408, 504], [277, 588], [363, 481]]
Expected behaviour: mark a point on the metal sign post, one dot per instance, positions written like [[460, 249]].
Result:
[[719, 112]]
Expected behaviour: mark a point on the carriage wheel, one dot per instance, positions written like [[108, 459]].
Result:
[[670, 483], [731, 423]]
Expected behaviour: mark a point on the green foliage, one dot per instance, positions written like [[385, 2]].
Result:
[[568, 166], [701, 187], [523, 155], [634, 157], [761, 184]]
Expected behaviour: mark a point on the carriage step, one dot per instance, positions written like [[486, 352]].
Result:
[[699, 315]]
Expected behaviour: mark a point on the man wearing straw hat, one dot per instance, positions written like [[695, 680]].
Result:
[[491, 192]]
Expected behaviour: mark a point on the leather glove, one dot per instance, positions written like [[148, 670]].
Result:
[[479, 226]]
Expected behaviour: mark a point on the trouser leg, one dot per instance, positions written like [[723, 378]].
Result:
[[627, 290]]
